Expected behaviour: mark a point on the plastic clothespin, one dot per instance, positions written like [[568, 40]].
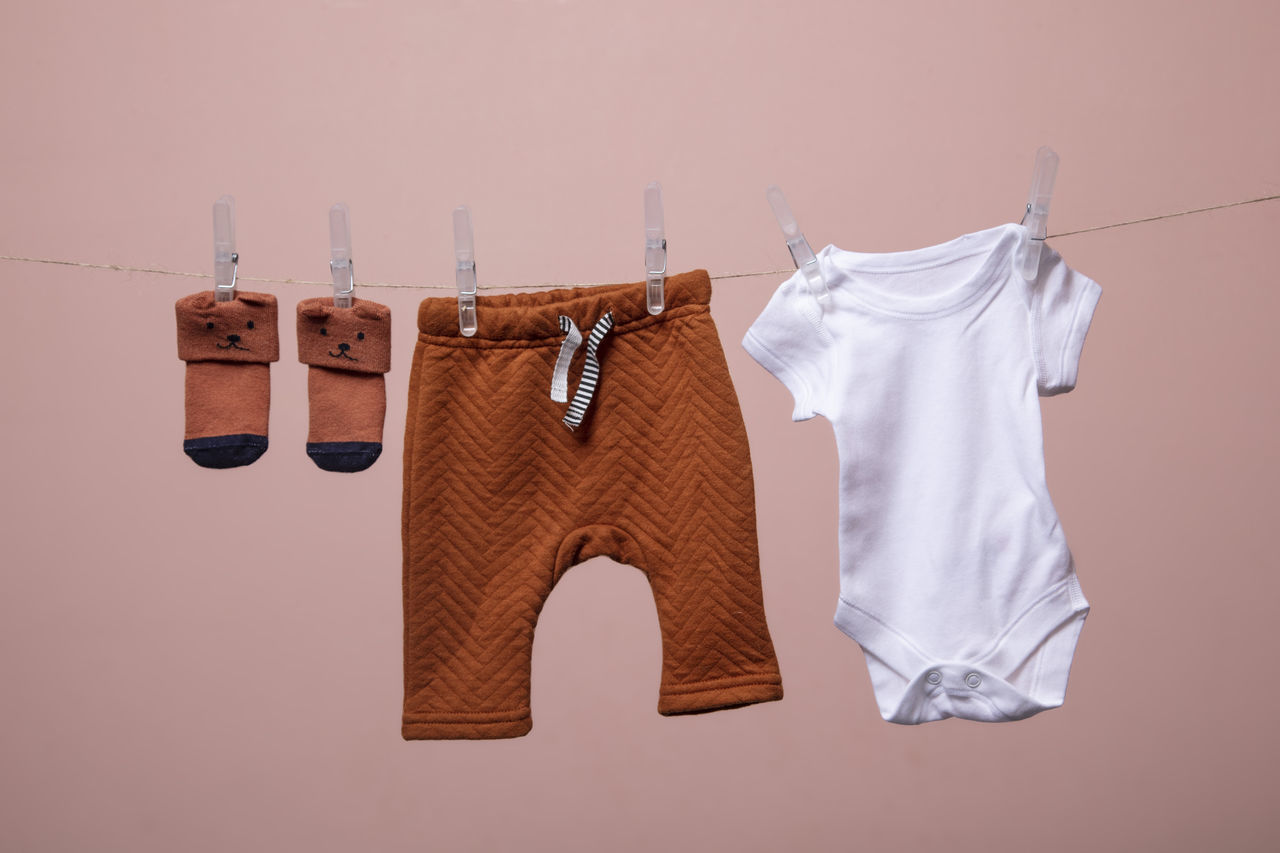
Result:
[[341, 265], [464, 251], [226, 261], [655, 249], [801, 254], [1036, 217]]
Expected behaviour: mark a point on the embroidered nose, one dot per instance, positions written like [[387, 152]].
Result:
[[235, 339], [344, 347]]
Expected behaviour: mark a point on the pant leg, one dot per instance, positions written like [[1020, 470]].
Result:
[[679, 480], [479, 544]]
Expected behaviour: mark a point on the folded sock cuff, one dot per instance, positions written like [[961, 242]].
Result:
[[243, 329], [356, 339]]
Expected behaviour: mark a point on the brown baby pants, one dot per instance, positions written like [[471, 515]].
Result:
[[500, 499]]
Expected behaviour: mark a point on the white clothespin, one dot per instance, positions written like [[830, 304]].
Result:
[[801, 254], [655, 249], [464, 250], [341, 265], [1036, 217], [226, 261]]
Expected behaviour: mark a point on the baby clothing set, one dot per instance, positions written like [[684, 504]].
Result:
[[955, 577]]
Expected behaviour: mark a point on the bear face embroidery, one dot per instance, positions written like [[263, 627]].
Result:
[[356, 338], [344, 347], [243, 329], [233, 340]]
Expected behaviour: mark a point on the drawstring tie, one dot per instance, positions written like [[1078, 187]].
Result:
[[590, 371]]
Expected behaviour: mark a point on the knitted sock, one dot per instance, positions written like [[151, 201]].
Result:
[[348, 350], [228, 348]]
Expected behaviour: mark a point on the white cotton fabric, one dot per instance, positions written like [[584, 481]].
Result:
[[955, 577]]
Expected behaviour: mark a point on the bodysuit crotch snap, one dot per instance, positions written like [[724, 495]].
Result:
[[1022, 670]]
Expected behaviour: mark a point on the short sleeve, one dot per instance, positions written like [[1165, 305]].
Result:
[[788, 340], [1062, 305]]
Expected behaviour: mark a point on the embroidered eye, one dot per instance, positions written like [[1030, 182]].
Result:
[[324, 331], [208, 325], [250, 324], [360, 336]]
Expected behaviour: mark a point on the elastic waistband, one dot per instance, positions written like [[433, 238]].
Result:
[[535, 317]]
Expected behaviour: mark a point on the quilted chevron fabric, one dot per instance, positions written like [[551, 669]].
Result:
[[500, 499]]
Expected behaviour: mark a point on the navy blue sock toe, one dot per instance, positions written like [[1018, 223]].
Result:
[[225, 451], [349, 456]]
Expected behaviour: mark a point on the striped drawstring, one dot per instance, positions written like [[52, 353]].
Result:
[[590, 371]]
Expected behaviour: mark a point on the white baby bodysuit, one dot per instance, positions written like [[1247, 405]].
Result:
[[955, 576]]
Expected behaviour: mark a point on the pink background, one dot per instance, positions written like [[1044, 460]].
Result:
[[199, 660]]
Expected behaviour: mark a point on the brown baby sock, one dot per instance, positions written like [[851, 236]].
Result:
[[228, 348], [348, 350]]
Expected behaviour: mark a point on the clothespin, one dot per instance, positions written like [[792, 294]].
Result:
[[464, 251], [655, 249], [801, 254], [1036, 217], [226, 261], [341, 265]]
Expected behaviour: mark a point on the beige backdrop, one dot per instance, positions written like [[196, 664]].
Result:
[[201, 660]]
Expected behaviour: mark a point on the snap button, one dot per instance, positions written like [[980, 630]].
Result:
[[933, 677], [973, 679]]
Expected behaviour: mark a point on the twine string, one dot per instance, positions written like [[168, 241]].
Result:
[[718, 276]]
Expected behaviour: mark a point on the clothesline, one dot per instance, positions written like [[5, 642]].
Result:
[[718, 276]]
